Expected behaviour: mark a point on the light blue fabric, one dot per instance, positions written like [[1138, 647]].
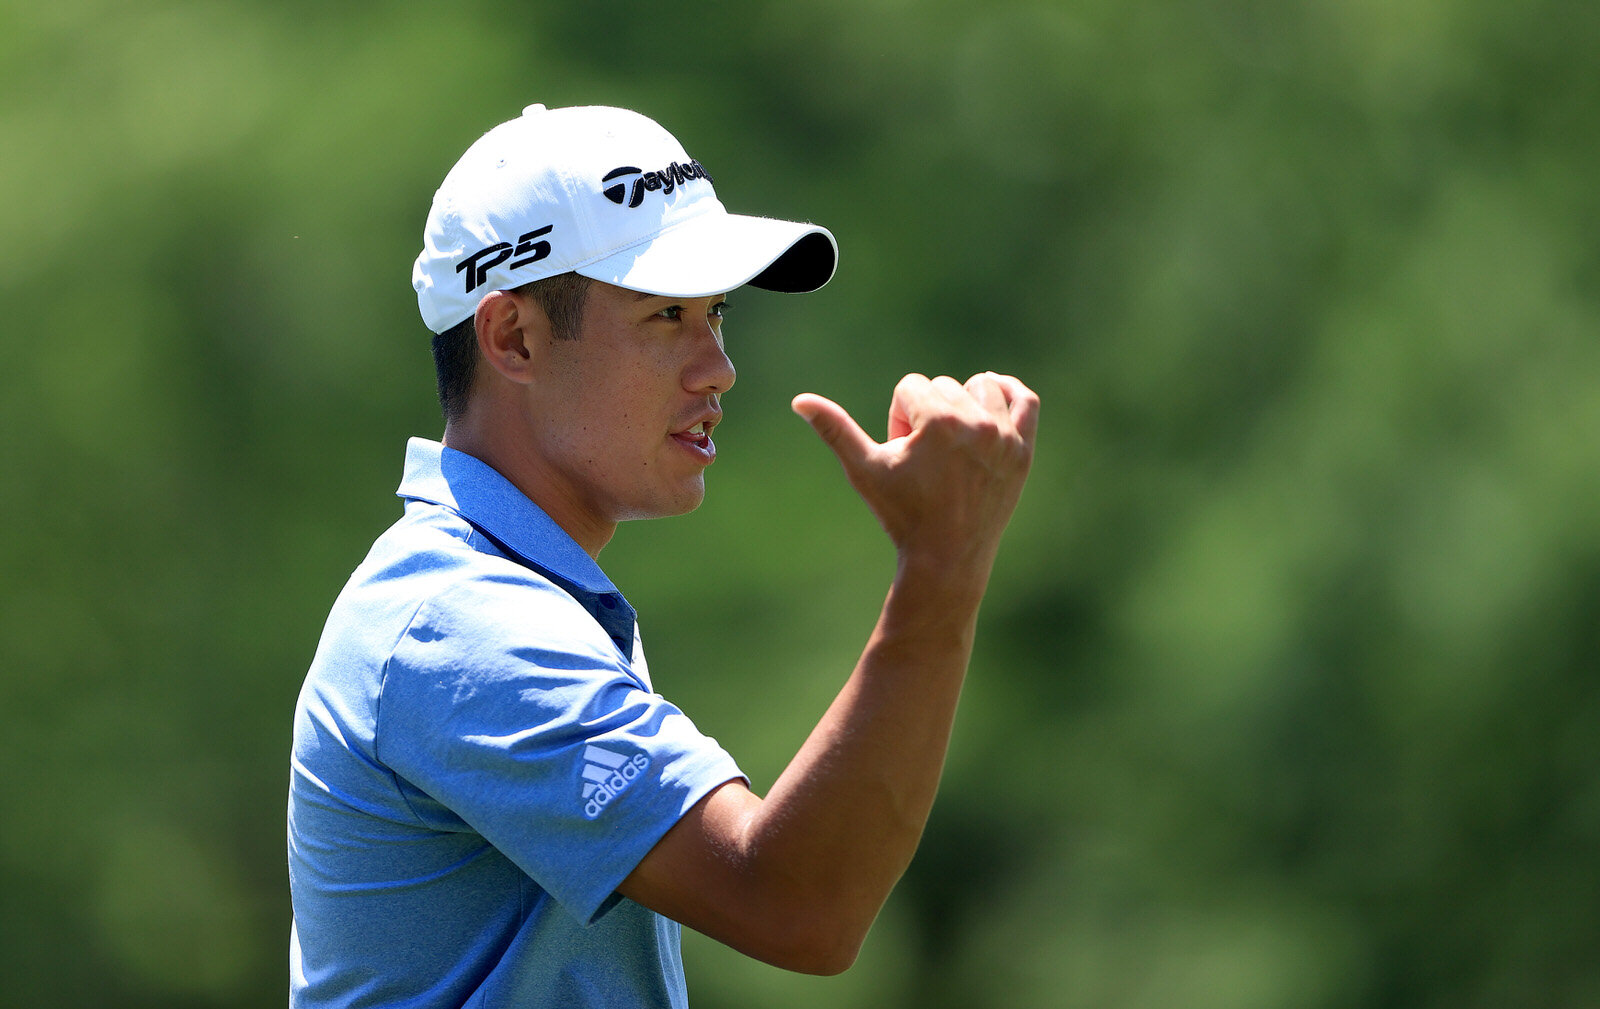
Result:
[[479, 760]]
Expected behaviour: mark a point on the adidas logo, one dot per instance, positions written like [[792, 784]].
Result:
[[666, 180], [606, 774]]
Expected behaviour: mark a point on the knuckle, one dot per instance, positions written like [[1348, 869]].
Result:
[[944, 423], [986, 429]]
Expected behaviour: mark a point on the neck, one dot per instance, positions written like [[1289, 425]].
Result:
[[485, 438]]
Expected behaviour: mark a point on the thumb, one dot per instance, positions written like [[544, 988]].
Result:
[[835, 426]]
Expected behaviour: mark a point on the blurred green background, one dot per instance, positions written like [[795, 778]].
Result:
[[1286, 688]]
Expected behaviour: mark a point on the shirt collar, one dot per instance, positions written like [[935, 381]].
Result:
[[474, 490]]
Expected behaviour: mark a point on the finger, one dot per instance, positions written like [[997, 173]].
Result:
[[957, 396], [1023, 403], [917, 400], [834, 426], [950, 389], [908, 391], [988, 392]]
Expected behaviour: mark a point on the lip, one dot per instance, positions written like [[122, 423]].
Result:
[[700, 445]]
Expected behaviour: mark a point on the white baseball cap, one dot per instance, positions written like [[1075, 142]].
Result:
[[605, 193]]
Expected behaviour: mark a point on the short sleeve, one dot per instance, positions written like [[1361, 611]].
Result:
[[510, 712]]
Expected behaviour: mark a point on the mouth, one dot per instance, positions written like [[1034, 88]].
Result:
[[697, 439]]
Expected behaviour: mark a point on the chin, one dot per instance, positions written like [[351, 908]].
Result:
[[682, 502], [689, 502]]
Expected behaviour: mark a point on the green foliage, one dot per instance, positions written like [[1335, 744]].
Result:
[[1285, 693]]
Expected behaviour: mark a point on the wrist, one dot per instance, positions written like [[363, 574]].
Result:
[[958, 566], [938, 588]]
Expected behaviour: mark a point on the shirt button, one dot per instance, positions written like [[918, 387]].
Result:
[[609, 602]]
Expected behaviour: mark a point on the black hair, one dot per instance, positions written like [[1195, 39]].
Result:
[[455, 351]]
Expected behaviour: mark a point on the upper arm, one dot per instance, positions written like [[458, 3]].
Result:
[[695, 874], [708, 873], [513, 727]]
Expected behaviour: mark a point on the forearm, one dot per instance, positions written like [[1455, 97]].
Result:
[[865, 779], [843, 820], [797, 878]]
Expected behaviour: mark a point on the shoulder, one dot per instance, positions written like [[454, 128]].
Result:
[[497, 606], [435, 555], [450, 599], [433, 580]]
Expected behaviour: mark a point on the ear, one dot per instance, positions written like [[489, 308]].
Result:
[[513, 332]]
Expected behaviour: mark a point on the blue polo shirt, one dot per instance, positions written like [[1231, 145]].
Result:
[[479, 761]]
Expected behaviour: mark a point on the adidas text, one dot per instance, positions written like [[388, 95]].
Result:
[[605, 775]]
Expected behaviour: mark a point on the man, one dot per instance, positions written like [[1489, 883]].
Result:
[[489, 804]]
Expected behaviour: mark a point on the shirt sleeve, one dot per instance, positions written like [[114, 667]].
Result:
[[511, 712]]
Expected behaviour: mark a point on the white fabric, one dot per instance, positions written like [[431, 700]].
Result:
[[606, 193]]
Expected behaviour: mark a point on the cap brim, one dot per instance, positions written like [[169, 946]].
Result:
[[715, 253]]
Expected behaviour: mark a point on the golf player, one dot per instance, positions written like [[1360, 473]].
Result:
[[489, 804]]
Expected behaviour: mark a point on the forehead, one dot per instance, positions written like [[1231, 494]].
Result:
[[599, 290], [624, 297]]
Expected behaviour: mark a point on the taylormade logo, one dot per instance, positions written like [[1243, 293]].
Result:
[[606, 774], [665, 180], [478, 265]]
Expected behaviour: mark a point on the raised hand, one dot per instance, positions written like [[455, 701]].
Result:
[[945, 482]]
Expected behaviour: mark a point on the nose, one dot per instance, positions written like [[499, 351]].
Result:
[[710, 370]]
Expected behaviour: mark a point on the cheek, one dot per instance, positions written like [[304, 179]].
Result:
[[639, 396], [619, 417]]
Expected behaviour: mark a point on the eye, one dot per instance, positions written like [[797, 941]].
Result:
[[719, 310], [674, 313]]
